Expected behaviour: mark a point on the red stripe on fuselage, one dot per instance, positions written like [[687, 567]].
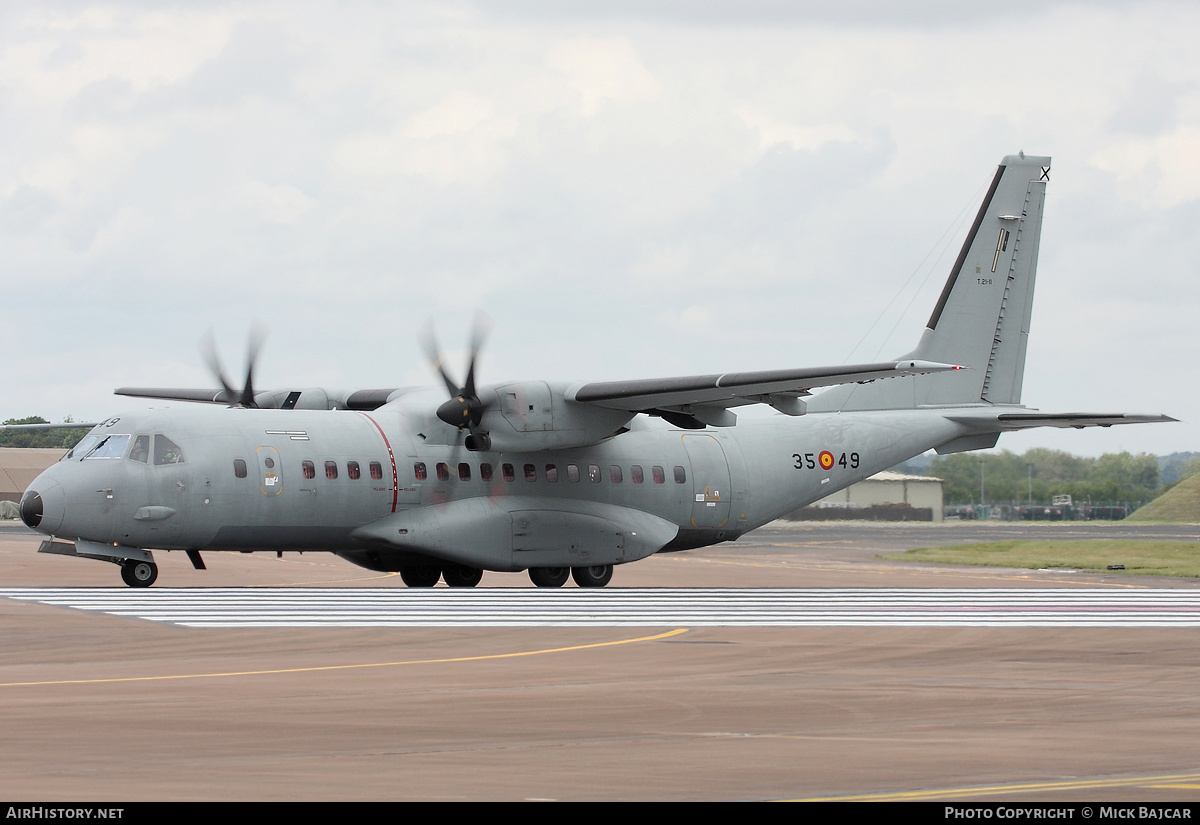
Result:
[[391, 458]]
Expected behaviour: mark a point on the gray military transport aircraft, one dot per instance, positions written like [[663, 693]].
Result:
[[556, 479]]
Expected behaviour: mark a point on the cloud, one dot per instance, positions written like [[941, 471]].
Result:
[[603, 70]]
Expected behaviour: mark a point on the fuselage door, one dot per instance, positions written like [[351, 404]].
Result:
[[270, 471], [710, 481]]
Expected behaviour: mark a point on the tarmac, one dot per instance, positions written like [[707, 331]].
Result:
[[97, 707]]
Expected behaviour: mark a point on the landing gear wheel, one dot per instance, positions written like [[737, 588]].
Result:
[[597, 575], [420, 575], [549, 576], [139, 573], [461, 575]]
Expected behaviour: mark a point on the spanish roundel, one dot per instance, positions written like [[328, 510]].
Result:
[[826, 459]]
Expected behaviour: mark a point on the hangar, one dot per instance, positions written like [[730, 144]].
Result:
[[19, 466], [886, 496]]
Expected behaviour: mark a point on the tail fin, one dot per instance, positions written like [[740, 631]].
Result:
[[982, 317]]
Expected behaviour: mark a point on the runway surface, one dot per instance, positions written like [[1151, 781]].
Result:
[[658, 607], [675, 682]]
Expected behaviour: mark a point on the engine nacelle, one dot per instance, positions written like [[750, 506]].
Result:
[[535, 415]]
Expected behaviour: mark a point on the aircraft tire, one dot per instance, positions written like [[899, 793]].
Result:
[[597, 575], [420, 575], [461, 575], [139, 573], [549, 576]]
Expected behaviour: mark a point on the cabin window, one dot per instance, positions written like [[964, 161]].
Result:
[[594, 473], [310, 469], [377, 470], [572, 472], [530, 472], [239, 468], [551, 472], [419, 471], [331, 469], [352, 470], [464, 472], [636, 475], [443, 471], [508, 471], [680, 475], [141, 450], [485, 472], [614, 472], [166, 451], [660, 476]]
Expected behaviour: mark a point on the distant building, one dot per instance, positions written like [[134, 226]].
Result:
[[19, 466], [885, 496]]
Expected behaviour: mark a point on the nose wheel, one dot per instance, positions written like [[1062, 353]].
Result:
[[139, 573]]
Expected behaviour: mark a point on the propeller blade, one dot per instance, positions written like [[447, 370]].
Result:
[[258, 335], [479, 333], [429, 344], [208, 350]]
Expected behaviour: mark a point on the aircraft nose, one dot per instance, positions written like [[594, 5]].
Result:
[[31, 509], [43, 510]]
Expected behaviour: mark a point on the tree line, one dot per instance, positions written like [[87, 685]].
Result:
[[1039, 474], [63, 439]]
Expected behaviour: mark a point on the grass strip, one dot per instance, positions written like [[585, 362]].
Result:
[[1140, 558]]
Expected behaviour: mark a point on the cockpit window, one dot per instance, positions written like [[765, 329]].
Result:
[[166, 451], [141, 449], [109, 446], [81, 449]]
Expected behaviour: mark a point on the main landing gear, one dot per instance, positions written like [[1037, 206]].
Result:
[[597, 575], [455, 575], [461, 575], [138, 573]]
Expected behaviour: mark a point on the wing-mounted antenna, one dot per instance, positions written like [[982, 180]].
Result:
[[245, 397], [465, 409]]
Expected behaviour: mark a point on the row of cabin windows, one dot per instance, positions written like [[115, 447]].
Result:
[[530, 472], [309, 469], [507, 471]]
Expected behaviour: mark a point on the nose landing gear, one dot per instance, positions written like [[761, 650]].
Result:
[[138, 573]]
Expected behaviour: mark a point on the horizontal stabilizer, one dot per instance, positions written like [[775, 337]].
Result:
[[991, 419]]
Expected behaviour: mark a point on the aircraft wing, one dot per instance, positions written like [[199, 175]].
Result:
[[303, 399], [206, 396], [779, 388]]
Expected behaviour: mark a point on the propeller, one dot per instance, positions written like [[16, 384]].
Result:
[[465, 408], [244, 397]]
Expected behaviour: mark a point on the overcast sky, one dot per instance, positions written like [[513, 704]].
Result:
[[661, 188]]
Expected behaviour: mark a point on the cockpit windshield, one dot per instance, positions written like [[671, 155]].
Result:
[[86, 443], [108, 446]]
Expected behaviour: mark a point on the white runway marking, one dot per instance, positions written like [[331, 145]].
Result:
[[666, 607]]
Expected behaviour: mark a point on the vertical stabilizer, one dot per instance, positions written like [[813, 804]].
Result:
[[982, 316]]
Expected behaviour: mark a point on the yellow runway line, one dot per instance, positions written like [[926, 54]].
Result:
[[457, 659]]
